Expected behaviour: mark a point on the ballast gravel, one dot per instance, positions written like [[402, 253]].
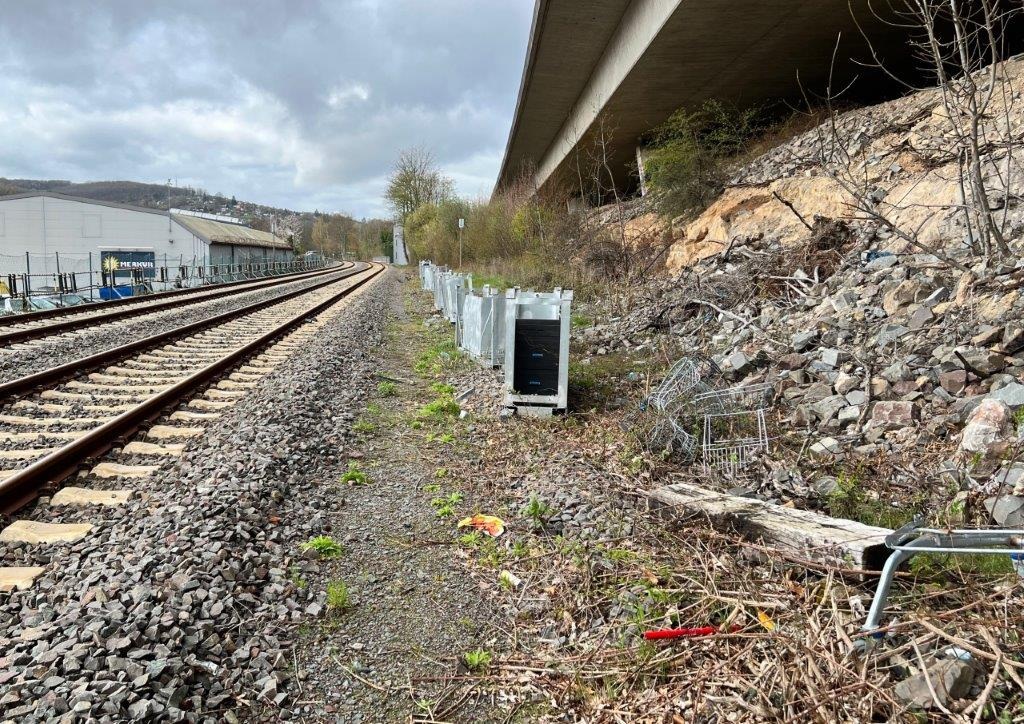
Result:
[[180, 606], [30, 357]]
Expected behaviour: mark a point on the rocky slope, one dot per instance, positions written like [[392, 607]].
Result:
[[899, 370], [900, 153]]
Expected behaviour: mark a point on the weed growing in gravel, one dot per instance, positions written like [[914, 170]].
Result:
[[338, 598], [324, 545], [537, 512], [441, 473], [444, 507], [373, 408], [364, 426], [471, 539], [442, 389], [426, 706], [445, 438], [477, 660], [437, 358], [438, 409], [387, 389], [432, 488], [354, 476], [579, 321], [851, 500], [297, 580], [491, 554], [415, 424]]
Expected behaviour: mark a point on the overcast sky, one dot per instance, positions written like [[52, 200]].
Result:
[[295, 103]]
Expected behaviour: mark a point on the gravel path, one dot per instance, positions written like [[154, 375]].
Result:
[[180, 605], [414, 608], [30, 357]]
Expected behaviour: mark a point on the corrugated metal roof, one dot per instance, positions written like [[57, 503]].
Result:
[[220, 232]]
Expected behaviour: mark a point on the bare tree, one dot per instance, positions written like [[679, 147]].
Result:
[[415, 181]]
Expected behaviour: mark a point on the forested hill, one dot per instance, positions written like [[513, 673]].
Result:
[[148, 195], [337, 232]]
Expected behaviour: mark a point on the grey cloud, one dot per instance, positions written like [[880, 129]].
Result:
[[301, 102]]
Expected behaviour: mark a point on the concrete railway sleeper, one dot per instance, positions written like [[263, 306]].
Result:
[[171, 393], [15, 329], [77, 367]]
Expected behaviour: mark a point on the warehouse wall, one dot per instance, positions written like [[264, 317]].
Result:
[[236, 254], [42, 226]]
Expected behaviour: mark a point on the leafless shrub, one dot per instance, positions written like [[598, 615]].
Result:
[[961, 46]]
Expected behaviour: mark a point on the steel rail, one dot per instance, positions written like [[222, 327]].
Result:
[[53, 375], [87, 320], [128, 301], [31, 482]]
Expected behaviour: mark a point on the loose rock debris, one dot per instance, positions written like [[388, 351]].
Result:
[[177, 604], [553, 613]]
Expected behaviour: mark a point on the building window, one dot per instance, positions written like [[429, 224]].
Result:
[[91, 226]]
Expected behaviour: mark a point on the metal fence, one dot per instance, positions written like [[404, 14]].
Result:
[[57, 275]]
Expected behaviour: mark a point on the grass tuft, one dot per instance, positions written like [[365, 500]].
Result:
[[354, 476], [477, 660], [324, 545], [338, 597]]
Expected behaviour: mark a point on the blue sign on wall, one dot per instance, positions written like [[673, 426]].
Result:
[[121, 263]]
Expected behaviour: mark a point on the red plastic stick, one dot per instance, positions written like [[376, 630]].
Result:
[[679, 633]]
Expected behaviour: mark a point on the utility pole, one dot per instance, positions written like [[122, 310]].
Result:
[[462, 224]]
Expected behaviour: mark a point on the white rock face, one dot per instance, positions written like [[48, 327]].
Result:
[[987, 426]]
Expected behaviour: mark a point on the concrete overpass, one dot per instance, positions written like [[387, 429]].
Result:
[[632, 63]]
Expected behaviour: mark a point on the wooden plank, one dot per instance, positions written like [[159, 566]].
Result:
[[802, 533]]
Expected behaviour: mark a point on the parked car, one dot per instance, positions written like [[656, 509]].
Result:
[[19, 305], [68, 300]]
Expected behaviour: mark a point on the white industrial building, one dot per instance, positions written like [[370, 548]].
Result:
[[41, 231]]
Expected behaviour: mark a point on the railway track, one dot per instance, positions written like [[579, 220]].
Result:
[[19, 328], [140, 403]]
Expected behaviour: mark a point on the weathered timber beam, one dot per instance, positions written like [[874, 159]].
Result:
[[817, 537]]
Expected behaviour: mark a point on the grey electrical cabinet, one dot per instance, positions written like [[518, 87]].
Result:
[[480, 330], [537, 351]]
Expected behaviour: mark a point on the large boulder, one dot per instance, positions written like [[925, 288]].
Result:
[[987, 428]]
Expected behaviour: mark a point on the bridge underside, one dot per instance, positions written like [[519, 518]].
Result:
[[617, 69]]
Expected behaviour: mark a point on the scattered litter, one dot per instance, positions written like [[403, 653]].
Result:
[[955, 652], [509, 579], [689, 412], [489, 524], [765, 620], [914, 539]]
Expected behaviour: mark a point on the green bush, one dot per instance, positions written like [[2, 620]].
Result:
[[686, 167]]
